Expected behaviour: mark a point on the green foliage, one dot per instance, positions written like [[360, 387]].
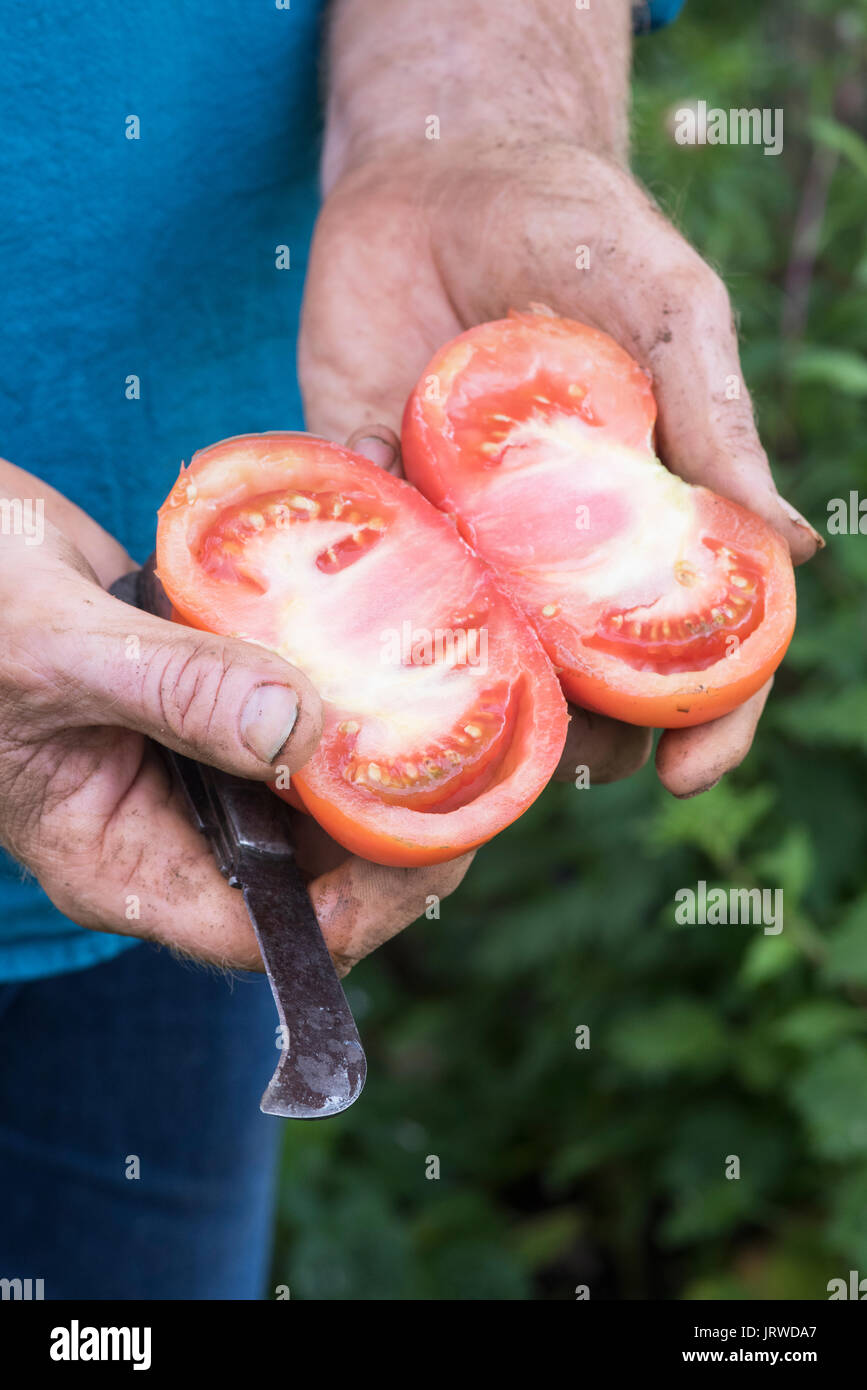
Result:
[[841, 138], [829, 1093], [832, 367], [606, 1165], [674, 1036]]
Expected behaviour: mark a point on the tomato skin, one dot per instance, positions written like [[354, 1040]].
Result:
[[660, 702], [516, 421], [398, 841], [322, 598]]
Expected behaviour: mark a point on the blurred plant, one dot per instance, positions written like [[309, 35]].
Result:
[[561, 1165]]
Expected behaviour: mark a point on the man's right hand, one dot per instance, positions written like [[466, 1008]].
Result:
[[86, 803]]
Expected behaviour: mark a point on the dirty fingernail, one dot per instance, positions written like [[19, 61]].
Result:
[[685, 796], [268, 719], [794, 515]]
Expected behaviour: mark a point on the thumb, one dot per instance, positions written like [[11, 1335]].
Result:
[[216, 699], [706, 430]]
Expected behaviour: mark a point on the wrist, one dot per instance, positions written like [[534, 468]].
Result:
[[420, 170], [468, 74]]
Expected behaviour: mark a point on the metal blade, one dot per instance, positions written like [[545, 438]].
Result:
[[322, 1067]]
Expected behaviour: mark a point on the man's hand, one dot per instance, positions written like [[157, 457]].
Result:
[[421, 238], [86, 802]]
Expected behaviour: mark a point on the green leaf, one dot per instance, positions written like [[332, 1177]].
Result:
[[717, 822], [847, 1223], [841, 138], [702, 1140], [839, 368], [846, 962], [766, 957], [790, 865], [709, 1210], [836, 367], [817, 1023], [676, 1035], [831, 1096], [838, 718]]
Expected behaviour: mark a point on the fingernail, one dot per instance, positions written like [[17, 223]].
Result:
[[794, 515], [378, 450], [268, 719], [700, 790]]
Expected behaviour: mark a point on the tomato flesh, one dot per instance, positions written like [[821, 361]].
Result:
[[659, 602], [443, 719]]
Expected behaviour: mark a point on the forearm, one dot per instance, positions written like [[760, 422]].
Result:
[[485, 70]]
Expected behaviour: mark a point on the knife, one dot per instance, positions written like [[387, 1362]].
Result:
[[322, 1066]]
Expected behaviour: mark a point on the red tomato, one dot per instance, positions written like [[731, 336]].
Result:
[[443, 717], [659, 603]]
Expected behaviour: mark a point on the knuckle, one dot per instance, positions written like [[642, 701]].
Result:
[[610, 750], [713, 301], [690, 288], [185, 685]]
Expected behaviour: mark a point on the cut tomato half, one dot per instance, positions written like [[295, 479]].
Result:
[[659, 603], [443, 717]]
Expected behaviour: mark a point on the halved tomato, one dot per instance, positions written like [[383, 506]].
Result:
[[658, 602], [443, 717]]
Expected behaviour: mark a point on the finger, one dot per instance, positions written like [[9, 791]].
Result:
[[379, 444], [139, 867], [706, 428], [216, 699], [362, 905], [608, 749], [693, 760]]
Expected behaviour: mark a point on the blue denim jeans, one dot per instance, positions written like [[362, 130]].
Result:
[[134, 1160]]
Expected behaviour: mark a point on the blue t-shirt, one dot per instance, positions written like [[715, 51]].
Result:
[[152, 257], [154, 158], [654, 14]]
